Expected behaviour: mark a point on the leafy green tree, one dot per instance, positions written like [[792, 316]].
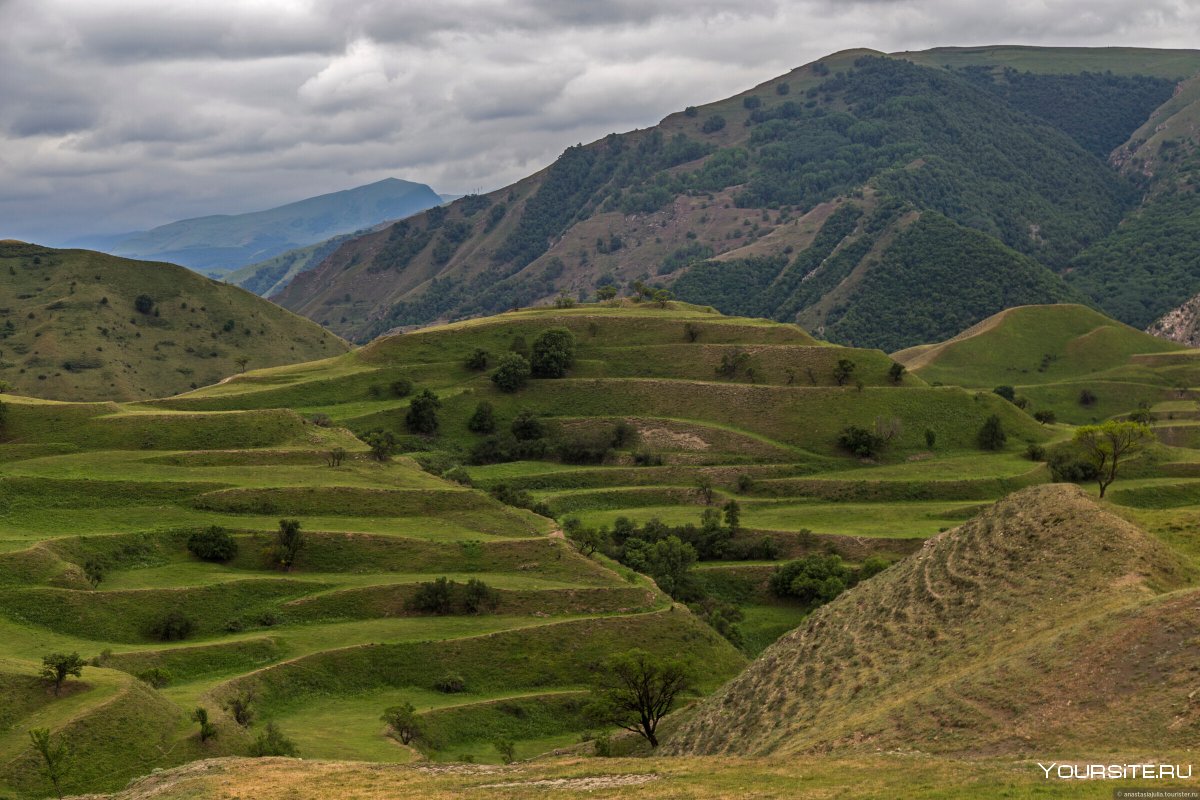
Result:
[[214, 543], [404, 723], [704, 488], [506, 749], [335, 457], [143, 304], [992, 435], [860, 441], [661, 297], [606, 292], [434, 597], [668, 561], [289, 541], [422, 413], [93, 570], [55, 756], [635, 690], [896, 372], [478, 597], [381, 442], [1007, 392], [1108, 445], [843, 371], [273, 743], [174, 627], [526, 426], [511, 372], [478, 359], [158, 677], [733, 515], [57, 667], [208, 730], [483, 420], [586, 540], [1045, 416], [812, 579], [553, 353]]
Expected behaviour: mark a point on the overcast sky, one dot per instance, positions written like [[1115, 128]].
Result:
[[125, 114]]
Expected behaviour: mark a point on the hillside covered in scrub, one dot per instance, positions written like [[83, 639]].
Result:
[[80, 325], [879, 201]]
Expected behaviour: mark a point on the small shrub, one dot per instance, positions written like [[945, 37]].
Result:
[[506, 749], [479, 597], [273, 743], [401, 387], [459, 475], [175, 626], [1035, 452], [450, 683], [483, 420], [992, 435], [478, 360], [860, 441], [158, 677], [512, 372], [213, 544], [433, 597], [1087, 397], [143, 304], [1007, 392]]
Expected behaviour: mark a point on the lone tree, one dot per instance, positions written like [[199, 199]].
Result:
[[512, 371], [606, 292], [403, 722], [207, 729], [289, 541], [843, 371], [992, 435], [635, 690], [553, 353], [896, 372], [483, 420], [143, 304], [54, 755], [382, 444], [242, 361], [422, 413], [57, 667], [1107, 445]]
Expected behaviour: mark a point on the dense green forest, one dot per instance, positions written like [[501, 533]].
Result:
[[1098, 110], [1147, 266], [903, 301]]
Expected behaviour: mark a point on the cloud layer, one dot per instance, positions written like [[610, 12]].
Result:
[[124, 114]]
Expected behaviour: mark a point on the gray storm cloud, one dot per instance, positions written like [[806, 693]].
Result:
[[127, 114]]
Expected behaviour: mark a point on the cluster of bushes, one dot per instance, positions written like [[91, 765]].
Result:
[[444, 596], [531, 437], [519, 498], [817, 579]]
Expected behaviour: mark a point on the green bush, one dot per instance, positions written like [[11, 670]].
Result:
[[213, 544], [512, 372], [553, 353]]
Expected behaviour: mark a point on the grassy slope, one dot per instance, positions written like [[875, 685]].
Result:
[[1172, 64], [331, 644], [1032, 345], [922, 656], [76, 336]]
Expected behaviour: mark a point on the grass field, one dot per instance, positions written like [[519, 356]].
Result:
[[325, 647]]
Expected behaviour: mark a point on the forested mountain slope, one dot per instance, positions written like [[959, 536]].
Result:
[[831, 196]]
